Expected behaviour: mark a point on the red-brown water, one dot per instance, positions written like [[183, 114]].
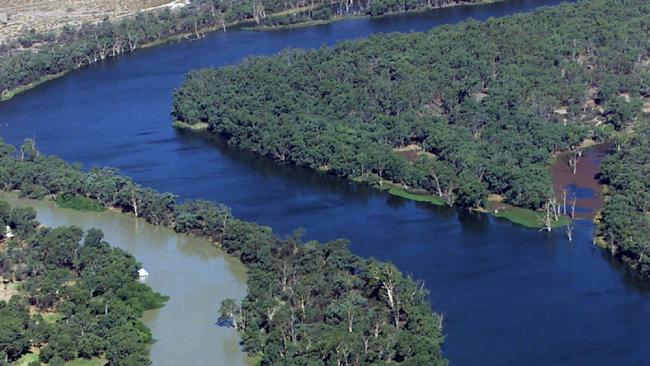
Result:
[[583, 184]]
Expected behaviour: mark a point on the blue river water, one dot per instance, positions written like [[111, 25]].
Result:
[[509, 295]]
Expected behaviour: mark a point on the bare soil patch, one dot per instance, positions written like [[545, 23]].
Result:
[[19, 16], [7, 290]]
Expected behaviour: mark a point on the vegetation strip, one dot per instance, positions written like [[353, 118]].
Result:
[[460, 112], [35, 58], [624, 224], [307, 303]]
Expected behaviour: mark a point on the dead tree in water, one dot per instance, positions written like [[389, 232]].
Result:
[[569, 231], [574, 200], [574, 158], [564, 201]]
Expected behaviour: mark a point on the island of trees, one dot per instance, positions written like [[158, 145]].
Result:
[[466, 113], [37, 57], [78, 297], [307, 303]]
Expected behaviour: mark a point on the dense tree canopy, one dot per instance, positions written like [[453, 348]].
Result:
[[625, 221], [460, 111], [34, 56], [91, 286], [307, 304]]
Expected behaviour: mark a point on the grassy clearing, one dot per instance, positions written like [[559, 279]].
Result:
[[84, 362], [26, 359], [51, 317], [525, 217], [79, 203], [31, 357]]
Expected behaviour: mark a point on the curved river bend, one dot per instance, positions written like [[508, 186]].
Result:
[[194, 274], [510, 295]]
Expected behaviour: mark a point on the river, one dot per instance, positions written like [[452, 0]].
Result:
[[193, 273], [509, 295]]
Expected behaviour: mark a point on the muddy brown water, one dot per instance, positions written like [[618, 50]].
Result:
[[194, 274], [584, 184]]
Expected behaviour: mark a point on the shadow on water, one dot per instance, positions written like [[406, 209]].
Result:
[[266, 167]]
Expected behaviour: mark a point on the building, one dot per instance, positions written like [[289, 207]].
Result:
[[8, 233]]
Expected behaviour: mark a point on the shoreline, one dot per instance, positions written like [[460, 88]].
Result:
[[525, 217], [10, 93], [134, 230], [516, 215], [239, 24], [337, 18]]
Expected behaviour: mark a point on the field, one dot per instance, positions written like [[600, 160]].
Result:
[[18, 16]]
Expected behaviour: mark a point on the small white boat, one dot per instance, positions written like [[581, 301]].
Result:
[[8, 233], [142, 273]]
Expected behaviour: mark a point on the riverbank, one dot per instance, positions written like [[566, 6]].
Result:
[[517, 215], [197, 127], [262, 252], [337, 18], [8, 94], [248, 24], [194, 274], [584, 185]]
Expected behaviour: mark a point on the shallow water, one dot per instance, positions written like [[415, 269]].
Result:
[[509, 295], [584, 184], [193, 273]]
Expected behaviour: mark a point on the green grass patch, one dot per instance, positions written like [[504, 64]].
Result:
[[26, 359], [528, 218], [84, 362], [398, 191], [31, 357], [79, 203], [51, 317], [200, 126]]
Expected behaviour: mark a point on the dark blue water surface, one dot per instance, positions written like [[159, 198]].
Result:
[[510, 296]]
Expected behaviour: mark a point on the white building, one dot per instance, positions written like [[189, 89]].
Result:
[[8, 233]]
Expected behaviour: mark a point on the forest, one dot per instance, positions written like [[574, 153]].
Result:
[[624, 227], [464, 112], [307, 303], [35, 57], [78, 297]]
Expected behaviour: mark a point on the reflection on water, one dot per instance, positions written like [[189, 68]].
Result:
[[194, 274]]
